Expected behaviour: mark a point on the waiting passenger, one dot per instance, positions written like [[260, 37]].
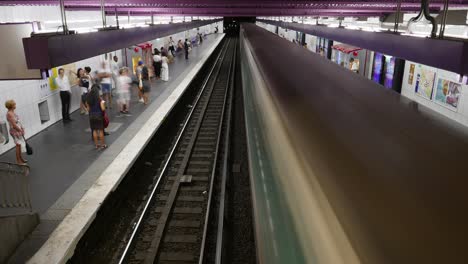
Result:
[[96, 107], [83, 82], [180, 46], [353, 65], [164, 69], [171, 45], [163, 52], [186, 48], [63, 83], [90, 75], [115, 71], [157, 64], [145, 84], [139, 69], [16, 130], [123, 90]]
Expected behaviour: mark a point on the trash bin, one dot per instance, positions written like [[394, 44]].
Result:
[[4, 135]]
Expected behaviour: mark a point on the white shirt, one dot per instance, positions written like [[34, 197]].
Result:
[[63, 83], [106, 79], [124, 84], [171, 42], [115, 68], [157, 58]]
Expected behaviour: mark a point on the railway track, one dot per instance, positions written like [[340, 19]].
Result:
[[174, 223]]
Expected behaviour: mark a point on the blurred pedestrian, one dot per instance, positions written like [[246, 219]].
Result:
[[16, 130], [63, 83], [96, 107], [180, 46], [123, 90], [105, 74], [164, 69]]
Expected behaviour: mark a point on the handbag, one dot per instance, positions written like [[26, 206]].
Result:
[[106, 119], [29, 149], [140, 84]]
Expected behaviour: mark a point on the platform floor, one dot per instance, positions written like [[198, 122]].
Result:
[[65, 163]]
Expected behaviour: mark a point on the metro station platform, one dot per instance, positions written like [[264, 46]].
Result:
[[65, 164]]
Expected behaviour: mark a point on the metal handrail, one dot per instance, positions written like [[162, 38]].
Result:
[[14, 190]]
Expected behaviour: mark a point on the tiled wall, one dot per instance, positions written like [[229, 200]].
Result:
[[29, 93]]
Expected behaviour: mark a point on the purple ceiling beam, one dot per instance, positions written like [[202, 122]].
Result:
[[45, 52], [449, 55]]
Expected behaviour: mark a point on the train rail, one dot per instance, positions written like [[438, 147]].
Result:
[[174, 223]]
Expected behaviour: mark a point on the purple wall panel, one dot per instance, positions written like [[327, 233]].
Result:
[[48, 52]]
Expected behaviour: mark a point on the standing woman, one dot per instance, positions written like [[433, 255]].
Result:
[[138, 70], [146, 84], [96, 108], [83, 82], [164, 69], [16, 130]]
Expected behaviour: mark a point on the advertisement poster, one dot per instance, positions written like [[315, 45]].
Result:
[[448, 93], [425, 83], [411, 74], [389, 71], [377, 70], [135, 60], [70, 71]]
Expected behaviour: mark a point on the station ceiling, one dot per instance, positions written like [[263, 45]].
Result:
[[247, 7]]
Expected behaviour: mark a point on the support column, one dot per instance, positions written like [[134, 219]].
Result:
[[64, 17], [397, 16], [103, 14], [444, 19]]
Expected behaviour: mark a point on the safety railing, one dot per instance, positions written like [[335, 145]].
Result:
[[14, 190]]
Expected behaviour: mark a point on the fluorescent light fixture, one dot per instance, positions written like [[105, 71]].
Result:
[[352, 27], [71, 21]]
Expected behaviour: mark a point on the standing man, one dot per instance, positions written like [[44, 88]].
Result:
[[115, 72], [186, 48], [65, 94], [171, 46]]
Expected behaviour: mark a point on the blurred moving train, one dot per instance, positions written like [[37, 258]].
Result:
[[343, 171]]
